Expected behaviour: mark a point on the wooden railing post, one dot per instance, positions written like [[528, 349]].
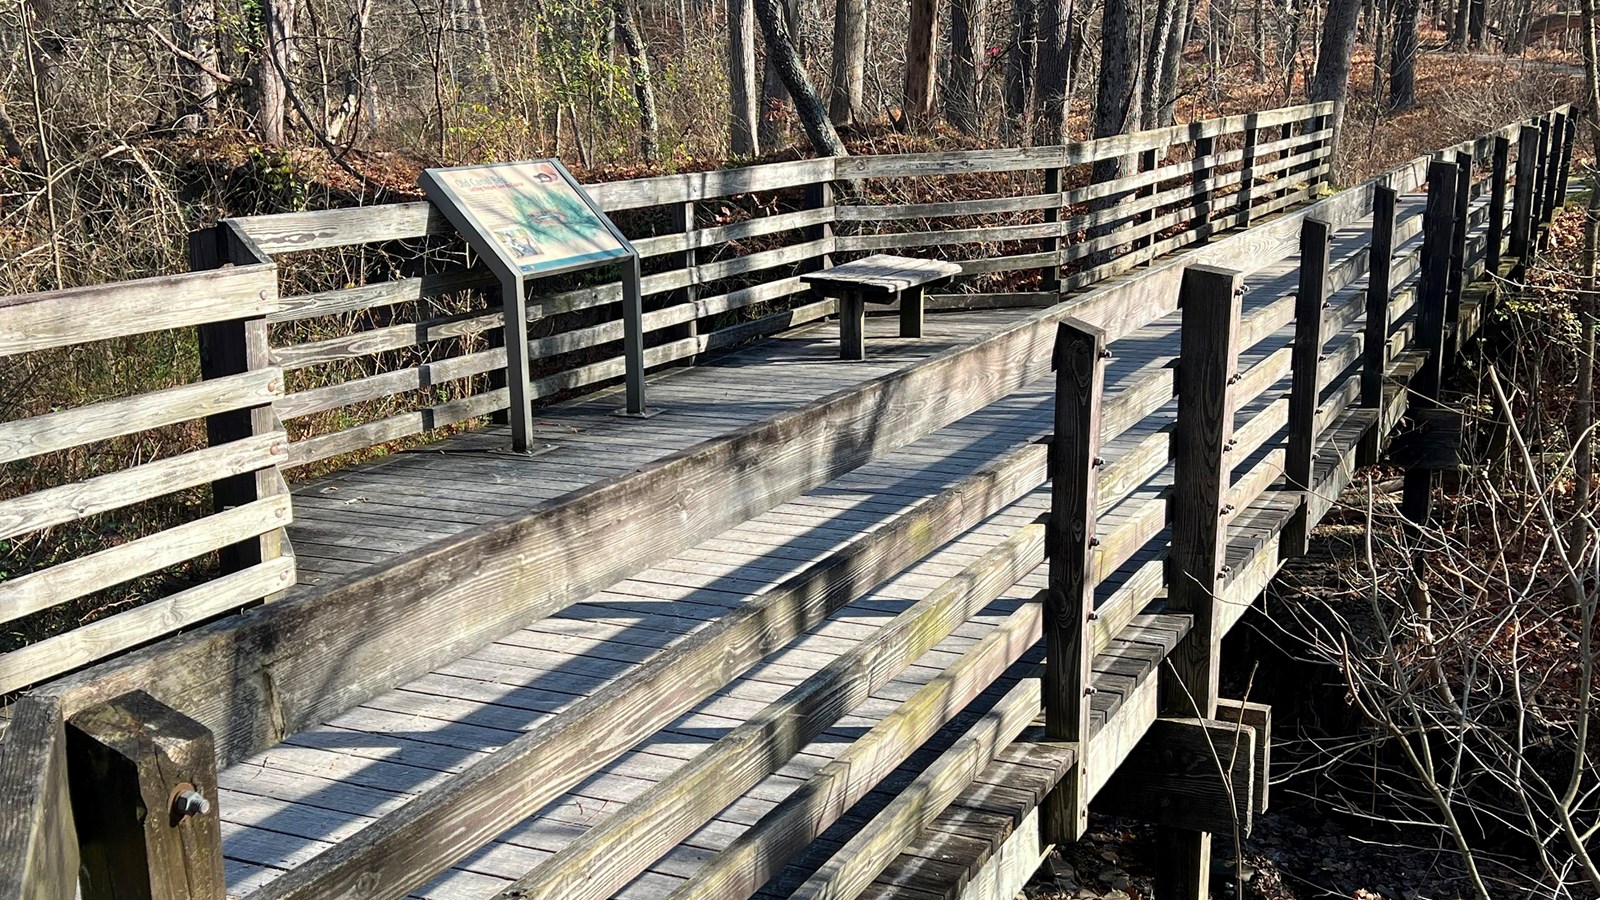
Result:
[[1522, 195], [1247, 173], [144, 795], [38, 837], [1540, 180], [1204, 148], [1564, 170], [819, 195], [1196, 569], [1147, 163], [1080, 353], [1306, 387], [1375, 339], [682, 215], [1556, 140], [1050, 276], [1499, 181], [1458, 258], [230, 348], [1438, 229]]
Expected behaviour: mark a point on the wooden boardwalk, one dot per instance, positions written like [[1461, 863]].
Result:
[[819, 628], [290, 803]]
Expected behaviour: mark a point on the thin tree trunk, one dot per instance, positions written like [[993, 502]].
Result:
[[193, 25], [1165, 21], [272, 69], [849, 62], [480, 31], [1583, 453], [1054, 78], [1172, 63], [744, 116], [639, 68], [1019, 73], [782, 56], [1403, 57], [775, 96], [921, 38], [1333, 59], [961, 82]]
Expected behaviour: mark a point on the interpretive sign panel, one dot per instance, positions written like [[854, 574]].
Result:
[[532, 214]]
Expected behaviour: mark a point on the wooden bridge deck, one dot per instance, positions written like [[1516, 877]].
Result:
[[300, 798]]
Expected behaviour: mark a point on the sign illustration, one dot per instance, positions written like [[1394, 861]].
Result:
[[533, 211]]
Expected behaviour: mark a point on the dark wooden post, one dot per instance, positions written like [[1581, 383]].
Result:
[[1458, 259], [1204, 148], [1209, 350], [1555, 142], [1306, 385], [38, 838], [819, 196], [144, 795], [1375, 340], [1564, 170], [683, 222], [1438, 228], [1247, 173], [1499, 181], [229, 348], [1050, 276], [1147, 163], [1522, 194], [1079, 360], [1540, 179]]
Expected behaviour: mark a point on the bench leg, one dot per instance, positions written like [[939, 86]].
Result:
[[911, 304], [852, 326]]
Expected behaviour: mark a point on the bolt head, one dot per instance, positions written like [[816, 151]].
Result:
[[190, 803]]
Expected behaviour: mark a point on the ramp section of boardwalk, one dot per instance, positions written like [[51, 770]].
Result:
[[802, 656]]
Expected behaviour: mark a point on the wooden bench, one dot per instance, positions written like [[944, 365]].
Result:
[[879, 279]]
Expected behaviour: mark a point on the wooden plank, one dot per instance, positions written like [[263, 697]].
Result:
[[1523, 193], [102, 493], [443, 826], [101, 638], [1306, 387], [762, 851], [144, 789], [31, 322], [380, 294], [618, 849], [35, 591], [38, 836], [1189, 774], [859, 861], [1257, 716], [22, 438], [1075, 462], [1376, 331]]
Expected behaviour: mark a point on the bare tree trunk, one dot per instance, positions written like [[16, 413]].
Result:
[[921, 39], [781, 56], [742, 120], [1160, 32], [1054, 78], [961, 82], [849, 62], [639, 68], [1458, 29], [272, 69], [193, 26], [1403, 58], [356, 90], [774, 95], [1583, 453], [1333, 58], [1116, 110], [1019, 72], [1172, 63], [480, 31]]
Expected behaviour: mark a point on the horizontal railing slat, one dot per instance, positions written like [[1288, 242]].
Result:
[[32, 322], [79, 577], [69, 428], [103, 493]]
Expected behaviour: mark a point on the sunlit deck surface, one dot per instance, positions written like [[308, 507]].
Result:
[[295, 800]]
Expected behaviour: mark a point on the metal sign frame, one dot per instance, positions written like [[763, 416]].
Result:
[[513, 294]]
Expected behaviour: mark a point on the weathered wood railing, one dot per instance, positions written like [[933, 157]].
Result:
[[240, 467], [253, 679], [400, 337]]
